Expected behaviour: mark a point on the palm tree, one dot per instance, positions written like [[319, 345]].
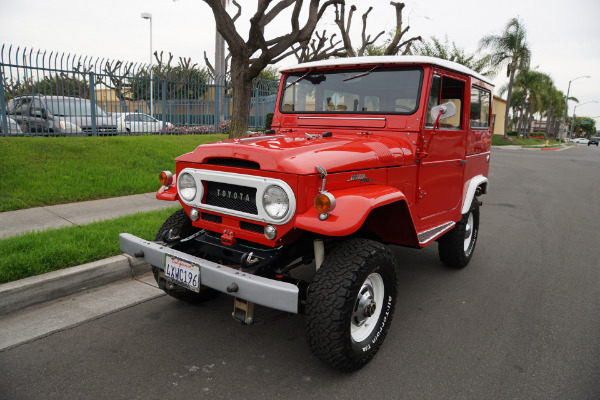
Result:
[[510, 48], [555, 102], [533, 84]]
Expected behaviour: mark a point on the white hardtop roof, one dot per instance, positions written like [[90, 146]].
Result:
[[388, 60]]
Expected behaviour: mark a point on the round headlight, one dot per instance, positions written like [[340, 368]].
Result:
[[276, 202], [187, 187], [66, 126]]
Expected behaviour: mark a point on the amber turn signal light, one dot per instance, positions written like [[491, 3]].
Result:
[[324, 202], [166, 178]]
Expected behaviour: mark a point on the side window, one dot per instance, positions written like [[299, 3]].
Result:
[[12, 106], [146, 118], [434, 98], [19, 106], [444, 90], [480, 108], [35, 107]]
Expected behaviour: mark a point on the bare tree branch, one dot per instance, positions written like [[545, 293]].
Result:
[[340, 16], [365, 38], [394, 47]]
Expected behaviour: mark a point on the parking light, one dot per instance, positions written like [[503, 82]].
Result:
[[324, 202], [166, 178]]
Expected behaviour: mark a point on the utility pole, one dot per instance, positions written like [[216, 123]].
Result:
[[567, 103]]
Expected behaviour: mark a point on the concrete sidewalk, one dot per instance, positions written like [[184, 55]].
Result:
[[18, 295], [40, 218]]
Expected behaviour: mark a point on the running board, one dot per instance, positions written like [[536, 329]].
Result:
[[428, 235]]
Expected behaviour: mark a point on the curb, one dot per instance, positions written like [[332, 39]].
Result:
[[53, 285]]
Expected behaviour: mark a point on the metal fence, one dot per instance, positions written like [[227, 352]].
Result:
[[58, 94]]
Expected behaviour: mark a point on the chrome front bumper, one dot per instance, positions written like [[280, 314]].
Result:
[[267, 292]]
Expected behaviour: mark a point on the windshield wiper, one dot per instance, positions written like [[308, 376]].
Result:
[[363, 74], [299, 79]]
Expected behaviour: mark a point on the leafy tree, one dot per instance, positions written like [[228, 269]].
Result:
[[445, 50], [510, 49], [55, 85], [271, 73], [183, 81], [584, 126]]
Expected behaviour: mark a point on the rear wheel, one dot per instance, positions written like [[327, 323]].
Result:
[[456, 247], [350, 304], [180, 225]]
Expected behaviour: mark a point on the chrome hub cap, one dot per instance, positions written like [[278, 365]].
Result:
[[367, 308]]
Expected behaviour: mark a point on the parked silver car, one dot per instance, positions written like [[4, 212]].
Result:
[[140, 123], [12, 127], [59, 114]]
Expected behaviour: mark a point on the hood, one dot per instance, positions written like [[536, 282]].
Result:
[[299, 154]]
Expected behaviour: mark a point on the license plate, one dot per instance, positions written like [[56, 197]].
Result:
[[182, 273]]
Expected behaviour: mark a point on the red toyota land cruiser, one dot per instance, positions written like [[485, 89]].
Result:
[[364, 152]]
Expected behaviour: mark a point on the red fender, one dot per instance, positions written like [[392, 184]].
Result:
[[353, 205], [169, 194]]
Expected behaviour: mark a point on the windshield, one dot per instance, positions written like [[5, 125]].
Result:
[[72, 107], [358, 91]]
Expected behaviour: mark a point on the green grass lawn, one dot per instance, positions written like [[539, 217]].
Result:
[[498, 140], [40, 252], [42, 171]]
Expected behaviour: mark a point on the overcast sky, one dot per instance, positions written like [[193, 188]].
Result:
[[564, 36]]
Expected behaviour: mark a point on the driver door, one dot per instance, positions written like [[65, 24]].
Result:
[[441, 170]]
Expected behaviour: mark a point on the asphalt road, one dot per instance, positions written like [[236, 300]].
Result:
[[521, 321]]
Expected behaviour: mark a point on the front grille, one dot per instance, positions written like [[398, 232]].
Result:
[[249, 226], [231, 197], [212, 218]]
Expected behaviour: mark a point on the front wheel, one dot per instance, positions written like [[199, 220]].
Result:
[[456, 247], [350, 304]]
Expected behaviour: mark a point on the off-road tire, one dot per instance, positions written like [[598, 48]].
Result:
[[456, 247], [180, 225], [347, 272]]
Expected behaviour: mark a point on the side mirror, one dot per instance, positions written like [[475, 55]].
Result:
[[448, 110]]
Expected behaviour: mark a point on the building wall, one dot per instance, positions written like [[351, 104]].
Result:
[[498, 115]]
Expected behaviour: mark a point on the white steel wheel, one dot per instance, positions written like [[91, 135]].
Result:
[[468, 231], [367, 308], [457, 245]]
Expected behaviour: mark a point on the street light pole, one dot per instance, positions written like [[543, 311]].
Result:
[[149, 17], [564, 120]]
